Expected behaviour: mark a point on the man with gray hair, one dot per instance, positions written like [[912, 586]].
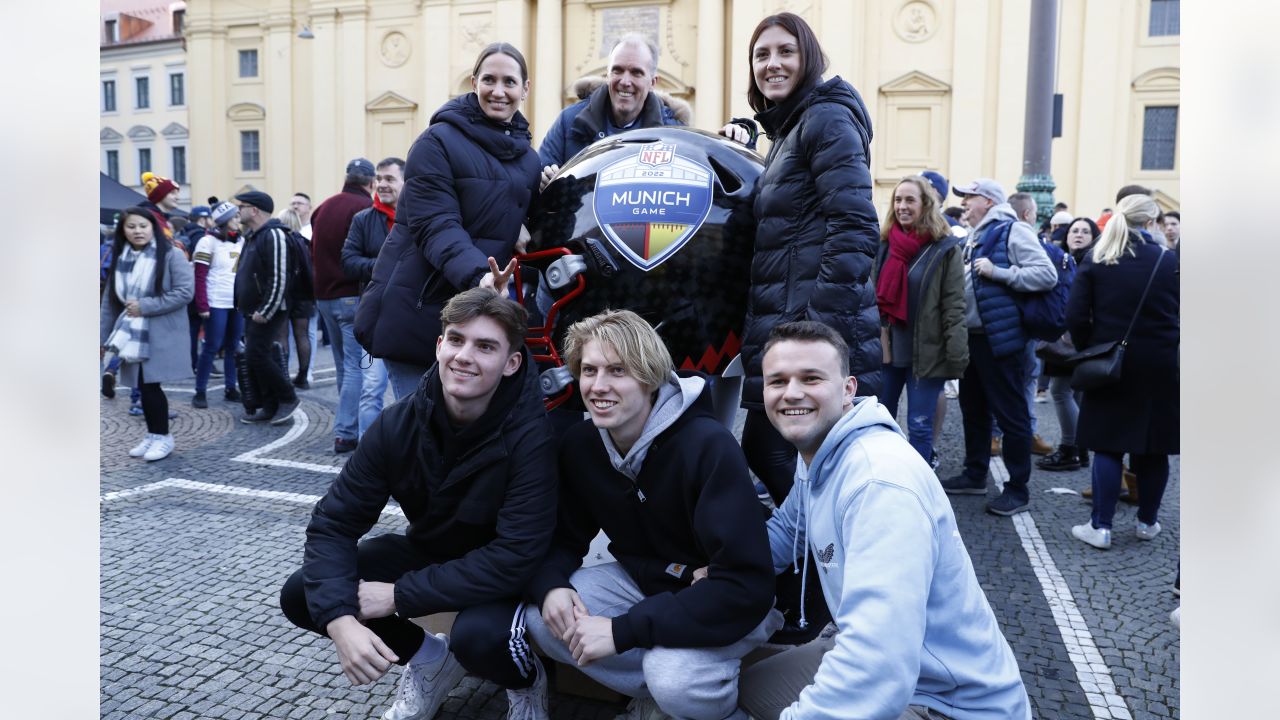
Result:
[[625, 102], [1002, 256]]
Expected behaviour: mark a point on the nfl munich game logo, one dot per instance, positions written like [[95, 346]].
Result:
[[651, 203]]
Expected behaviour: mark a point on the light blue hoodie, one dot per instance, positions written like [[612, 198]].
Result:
[[914, 626]]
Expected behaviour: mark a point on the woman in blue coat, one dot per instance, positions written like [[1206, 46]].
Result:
[[469, 182], [1138, 415], [817, 233]]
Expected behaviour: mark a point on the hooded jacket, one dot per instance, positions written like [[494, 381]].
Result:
[[481, 499], [817, 234], [262, 276], [1021, 265], [591, 119], [913, 625], [680, 499], [469, 183]]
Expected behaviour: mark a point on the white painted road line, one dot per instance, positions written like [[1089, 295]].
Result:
[[1091, 670], [300, 424], [180, 484]]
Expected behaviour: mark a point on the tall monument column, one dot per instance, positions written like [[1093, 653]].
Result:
[[1037, 139]]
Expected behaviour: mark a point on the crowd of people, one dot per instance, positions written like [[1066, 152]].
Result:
[[405, 267]]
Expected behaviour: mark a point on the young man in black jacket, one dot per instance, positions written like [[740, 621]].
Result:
[[691, 592], [469, 459]]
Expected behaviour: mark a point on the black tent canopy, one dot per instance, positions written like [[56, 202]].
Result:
[[114, 197]]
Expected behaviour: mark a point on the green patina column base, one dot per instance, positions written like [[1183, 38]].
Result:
[[1041, 188]]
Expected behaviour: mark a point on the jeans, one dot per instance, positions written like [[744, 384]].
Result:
[[1153, 476], [996, 386], [273, 384], [373, 389], [221, 332], [1066, 402], [339, 315], [922, 404], [403, 377]]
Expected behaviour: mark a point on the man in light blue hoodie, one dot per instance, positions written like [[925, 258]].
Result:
[[915, 638]]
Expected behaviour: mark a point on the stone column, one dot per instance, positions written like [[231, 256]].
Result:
[[1037, 139], [709, 112], [548, 67]]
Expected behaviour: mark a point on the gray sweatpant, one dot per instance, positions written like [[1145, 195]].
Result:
[[698, 683], [773, 684]]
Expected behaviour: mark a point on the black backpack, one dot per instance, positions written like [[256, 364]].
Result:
[[301, 282], [1044, 314]]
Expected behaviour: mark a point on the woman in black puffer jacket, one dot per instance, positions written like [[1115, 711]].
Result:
[[817, 232], [469, 182]]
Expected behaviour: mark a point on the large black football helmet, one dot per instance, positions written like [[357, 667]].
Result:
[[656, 221]]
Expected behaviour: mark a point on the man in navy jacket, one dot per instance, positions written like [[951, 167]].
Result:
[[469, 459], [691, 592]]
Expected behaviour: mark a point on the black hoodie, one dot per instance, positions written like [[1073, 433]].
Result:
[[817, 230], [485, 508], [469, 182]]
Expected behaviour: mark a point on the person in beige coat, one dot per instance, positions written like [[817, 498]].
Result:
[[143, 321]]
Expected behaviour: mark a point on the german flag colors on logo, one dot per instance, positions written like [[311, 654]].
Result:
[[651, 203]]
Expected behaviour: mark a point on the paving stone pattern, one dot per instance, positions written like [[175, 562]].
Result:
[[190, 624]]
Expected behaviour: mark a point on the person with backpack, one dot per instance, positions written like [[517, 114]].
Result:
[[302, 311], [1003, 258], [262, 290], [919, 280], [337, 296]]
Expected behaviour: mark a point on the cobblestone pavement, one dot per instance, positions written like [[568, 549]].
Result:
[[195, 547]]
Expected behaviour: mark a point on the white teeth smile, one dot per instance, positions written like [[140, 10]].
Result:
[[776, 79], [603, 404], [463, 373], [796, 411]]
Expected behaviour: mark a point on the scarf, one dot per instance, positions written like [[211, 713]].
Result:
[[775, 118], [891, 288], [135, 274], [388, 210]]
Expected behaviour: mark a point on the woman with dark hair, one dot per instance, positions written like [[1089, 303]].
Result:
[[1126, 272], [143, 320], [817, 233], [470, 181], [1079, 237], [919, 281]]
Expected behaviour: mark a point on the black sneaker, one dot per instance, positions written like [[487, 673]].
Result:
[[962, 485], [344, 446], [301, 383], [199, 401], [231, 395], [1064, 458], [1084, 458], [1007, 505], [257, 416], [285, 411], [108, 385]]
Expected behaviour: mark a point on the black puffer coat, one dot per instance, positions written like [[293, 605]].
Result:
[[468, 185], [817, 233], [481, 502]]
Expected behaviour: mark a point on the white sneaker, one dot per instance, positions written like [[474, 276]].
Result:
[[160, 448], [425, 686], [1176, 617], [951, 389], [531, 702], [1145, 531], [1091, 535], [643, 709], [141, 448]]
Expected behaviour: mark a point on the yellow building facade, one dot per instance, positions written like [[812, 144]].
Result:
[[282, 93]]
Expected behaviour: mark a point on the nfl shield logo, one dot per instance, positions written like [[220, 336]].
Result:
[[657, 154]]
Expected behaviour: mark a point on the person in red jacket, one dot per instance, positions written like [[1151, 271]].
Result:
[[337, 295]]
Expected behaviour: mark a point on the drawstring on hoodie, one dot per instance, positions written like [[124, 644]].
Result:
[[803, 568]]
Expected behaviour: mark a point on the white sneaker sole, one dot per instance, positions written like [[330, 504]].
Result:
[[451, 673]]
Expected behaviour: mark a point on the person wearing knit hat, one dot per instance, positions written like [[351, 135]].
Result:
[[214, 260], [160, 191]]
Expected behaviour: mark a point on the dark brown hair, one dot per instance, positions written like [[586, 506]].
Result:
[[476, 302], [506, 49], [813, 62], [810, 331]]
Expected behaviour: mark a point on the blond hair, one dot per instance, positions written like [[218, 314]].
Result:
[[291, 219], [1134, 211], [637, 344], [931, 223]]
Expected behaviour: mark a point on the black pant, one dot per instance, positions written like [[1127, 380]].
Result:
[[155, 406], [485, 638], [996, 386], [769, 455], [273, 384]]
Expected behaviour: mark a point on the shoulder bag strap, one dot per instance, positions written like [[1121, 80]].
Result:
[[1143, 299]]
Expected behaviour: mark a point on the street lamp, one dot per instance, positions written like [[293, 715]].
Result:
[[306, 33]]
